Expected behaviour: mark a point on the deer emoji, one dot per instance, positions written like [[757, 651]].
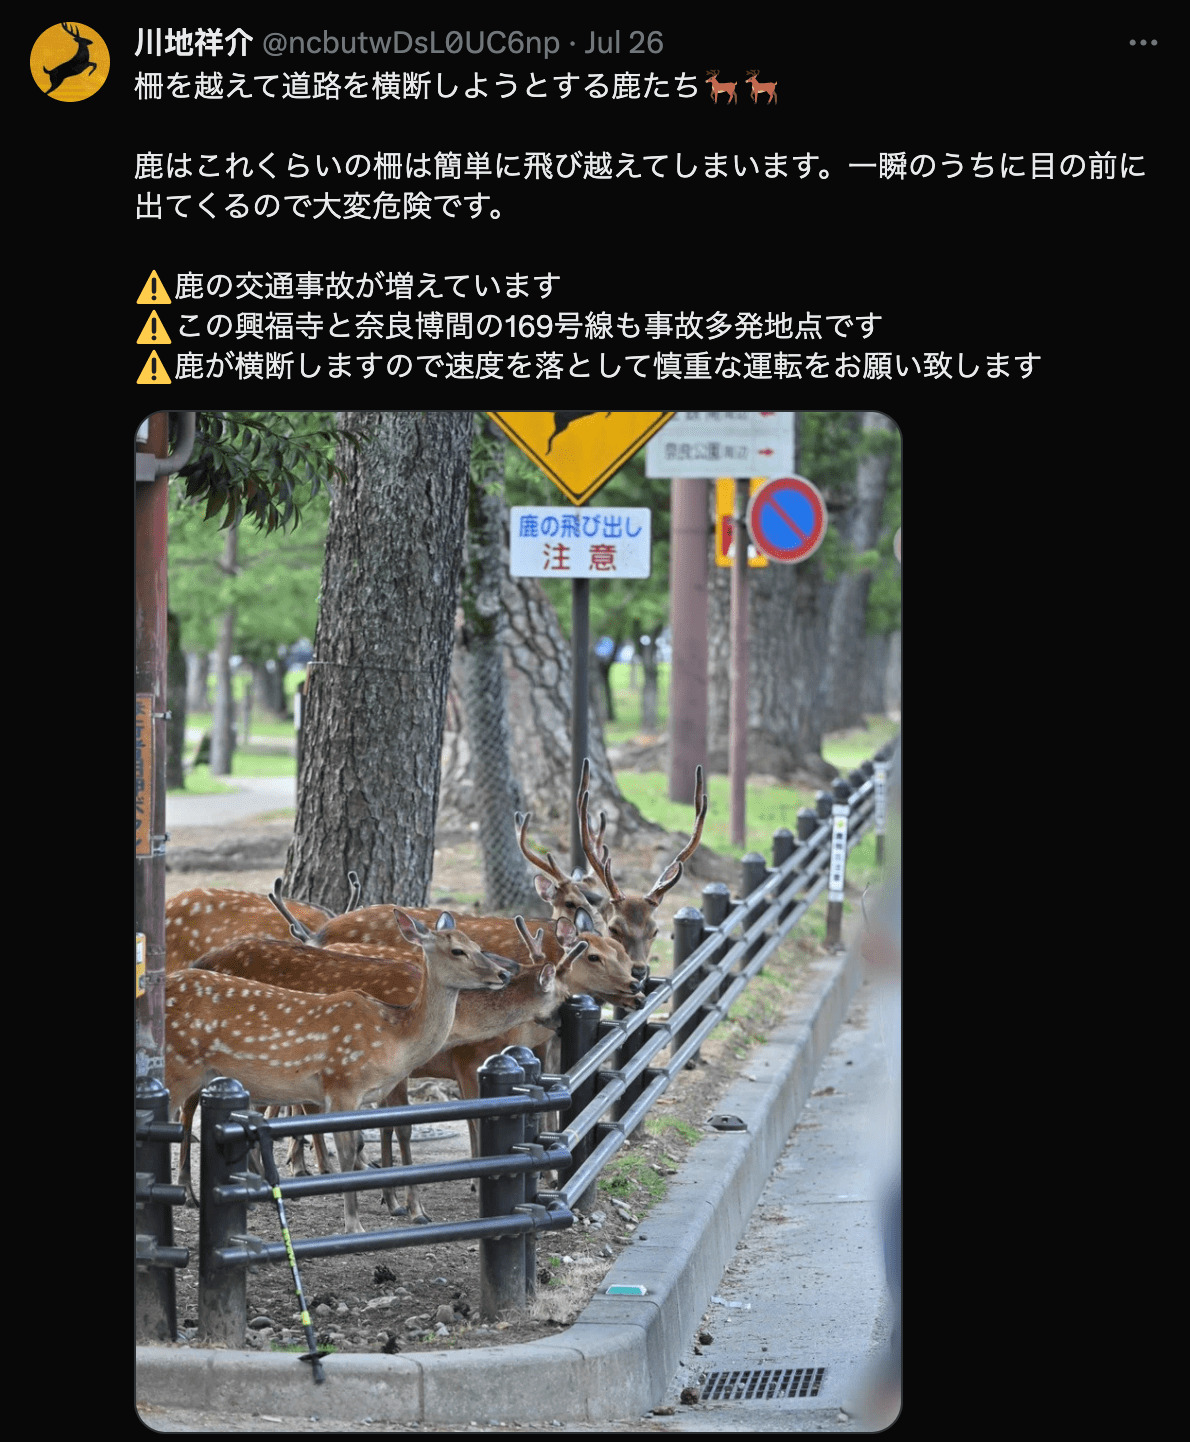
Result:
[[720, 87], [768, 86]]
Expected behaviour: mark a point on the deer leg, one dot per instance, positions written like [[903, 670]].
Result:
[[399, 1097], [347, 1144], [188, 1110]]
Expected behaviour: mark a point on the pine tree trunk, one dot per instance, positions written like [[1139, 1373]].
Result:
[[507, 875], [648, 695], [198, 666], [537, 681], [376, 698], [842, 678]]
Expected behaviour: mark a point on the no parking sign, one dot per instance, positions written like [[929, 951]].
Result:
[[787, 519]]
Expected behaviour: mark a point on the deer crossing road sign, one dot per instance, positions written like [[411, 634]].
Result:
[[579, 450]]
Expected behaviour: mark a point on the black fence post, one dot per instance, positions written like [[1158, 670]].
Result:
[[840, 813], [688, 935], [156, 1297], [716, 903], [222, 1291], [531, 1066], [783, 848], [580, 1027], [501, 1258], [753, 873]]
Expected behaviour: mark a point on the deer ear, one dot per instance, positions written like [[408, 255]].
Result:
[[564, 930], [411, 929], [445, 922], [545, 977], [545, 887], [582, 920]]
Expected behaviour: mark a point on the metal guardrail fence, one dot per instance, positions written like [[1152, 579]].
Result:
[[607, 1085]]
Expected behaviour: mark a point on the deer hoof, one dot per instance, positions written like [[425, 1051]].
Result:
[[423, 1220]]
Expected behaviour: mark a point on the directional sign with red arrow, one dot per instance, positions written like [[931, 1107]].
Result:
[[723, 443], [787, 519]]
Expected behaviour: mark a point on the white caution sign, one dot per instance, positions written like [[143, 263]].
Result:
[[838, 852], [588, 544]]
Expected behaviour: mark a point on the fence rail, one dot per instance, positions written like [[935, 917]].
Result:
[[607, 1086]]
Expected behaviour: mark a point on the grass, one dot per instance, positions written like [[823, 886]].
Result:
[[766, 808], [250, 760], [627, 1174]]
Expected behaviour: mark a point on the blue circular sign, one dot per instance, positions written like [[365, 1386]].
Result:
[[787, 519]]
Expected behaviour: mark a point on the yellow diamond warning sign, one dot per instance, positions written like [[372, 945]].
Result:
[[153, 292], [154, 372], [580, 450], [153, 332]]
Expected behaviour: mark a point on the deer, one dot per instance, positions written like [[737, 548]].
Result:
[[720, 87], [630, 916], [78, 62], [206, 917], [532, 995], [335, 1050], [485, 1025], [769, 87]]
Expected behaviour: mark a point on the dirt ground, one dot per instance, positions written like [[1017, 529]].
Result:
[[418, 1298]]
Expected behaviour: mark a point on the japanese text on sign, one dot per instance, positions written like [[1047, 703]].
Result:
[[592, 543]]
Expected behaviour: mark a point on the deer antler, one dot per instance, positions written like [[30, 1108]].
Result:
[[673, 871], [600, 864], [298, 931], [544, 863], [532, 942]]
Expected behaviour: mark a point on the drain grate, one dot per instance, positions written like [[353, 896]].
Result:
[[762, 1386]]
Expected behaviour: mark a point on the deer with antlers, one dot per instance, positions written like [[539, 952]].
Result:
[[78, 62], [628, 917], [334, 1050], [486, 1025], [720, 87], [759, 87]]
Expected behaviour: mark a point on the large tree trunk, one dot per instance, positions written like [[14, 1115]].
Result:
[[843, 674], [537, 680], [648, 695], [175, 704], [507, 879], [785, 653], [376, 699], [875, 669], [198, 666], [892, 677]]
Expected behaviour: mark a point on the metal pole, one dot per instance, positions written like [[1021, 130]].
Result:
[[156, 1305], [580, 645], [152, 528], [738, 725], [688, 628], [222, 1291], [501, 1258]]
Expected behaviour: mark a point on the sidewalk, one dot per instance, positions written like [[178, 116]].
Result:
[[619, 1360], [254, 796]]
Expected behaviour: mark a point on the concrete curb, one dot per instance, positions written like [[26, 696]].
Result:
[[617, 1360]]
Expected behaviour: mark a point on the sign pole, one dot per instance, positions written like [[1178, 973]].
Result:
[[738, 724], [580, 645], [688, 628]]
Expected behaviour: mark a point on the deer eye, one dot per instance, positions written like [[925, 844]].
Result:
[[457, 951]]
